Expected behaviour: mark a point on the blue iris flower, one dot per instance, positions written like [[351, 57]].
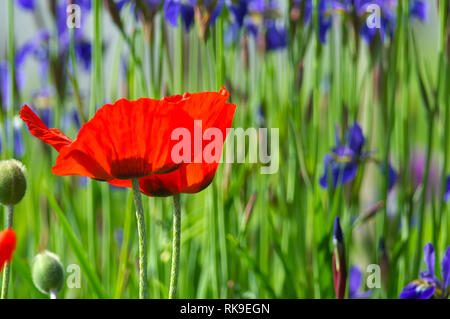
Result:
[[327, 9], [418, 9], [174, 8], [276, 37], [355, 280], [83, 48], [429, 285], [342, 162], [38, 45], [22, 55], [263, 18], [239, 10]]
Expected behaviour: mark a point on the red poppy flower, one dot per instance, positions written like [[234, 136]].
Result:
[[214, 113], [7, 246], [124, 140]]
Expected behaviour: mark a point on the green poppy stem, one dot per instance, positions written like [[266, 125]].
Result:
[[142, 236], [175, 246], [53, 294], [7, 270]]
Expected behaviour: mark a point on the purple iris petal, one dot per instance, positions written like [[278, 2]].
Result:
[[325, 19], [26, 4], [343, 163], [354, 285], [83, 51], [215, 13], [392, 179], [187, 15], [252, 29], [276, 37], [354, 281], [355, 138], [445, 270], [258, 5], [341, 172], [429, 260], [173, 9], [239, 10], [46, 116], [447, 192], [387, 19], [417, 289], [121, 3], [419, 9]]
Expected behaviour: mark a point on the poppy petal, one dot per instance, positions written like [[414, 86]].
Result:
[[213, 112], [52, 136], [124, 140], [7, 246]]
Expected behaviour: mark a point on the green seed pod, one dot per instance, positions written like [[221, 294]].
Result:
[[12, 182], [47, 272]]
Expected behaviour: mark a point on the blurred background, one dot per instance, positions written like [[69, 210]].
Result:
[[311, 69]]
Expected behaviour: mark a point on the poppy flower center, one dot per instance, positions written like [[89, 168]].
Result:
[[130, 168]]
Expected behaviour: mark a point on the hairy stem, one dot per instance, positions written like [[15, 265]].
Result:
[[142, 236], [175, 246]]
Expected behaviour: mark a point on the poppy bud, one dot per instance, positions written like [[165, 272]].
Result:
[[339, 265], [47, 272], [12, 182]]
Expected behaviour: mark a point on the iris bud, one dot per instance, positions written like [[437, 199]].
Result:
[[13, 183], [47, 272], [339, 265]]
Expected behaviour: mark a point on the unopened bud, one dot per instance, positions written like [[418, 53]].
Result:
[[47, 272], [339, 264], [13, 183]]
